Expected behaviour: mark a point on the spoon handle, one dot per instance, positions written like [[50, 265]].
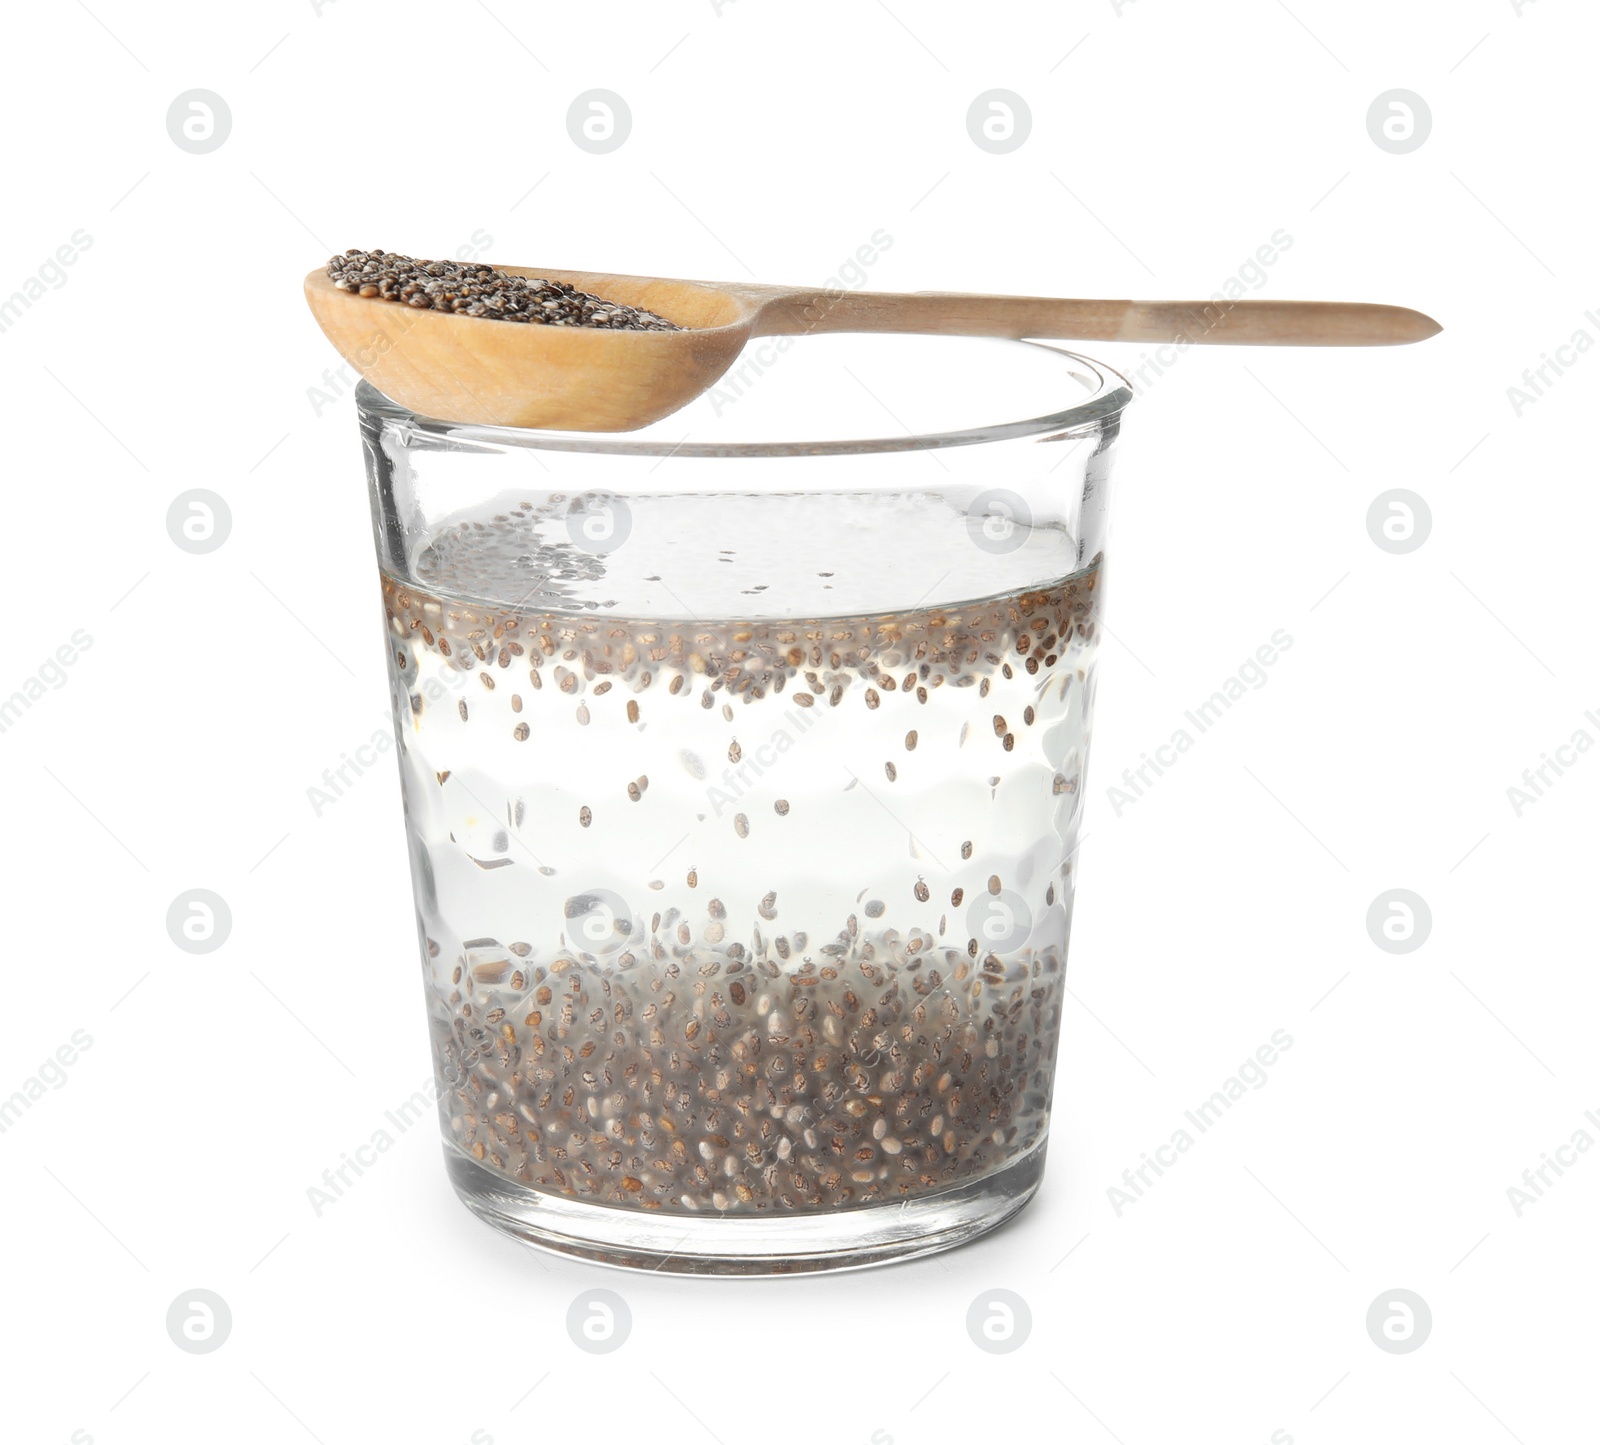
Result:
[[789, 311]]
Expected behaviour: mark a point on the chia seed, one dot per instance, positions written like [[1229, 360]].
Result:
[[473, 289]]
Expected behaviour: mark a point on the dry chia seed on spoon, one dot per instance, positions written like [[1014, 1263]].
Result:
[[472, 289]]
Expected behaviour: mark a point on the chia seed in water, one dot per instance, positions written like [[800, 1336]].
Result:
[[741, 915]]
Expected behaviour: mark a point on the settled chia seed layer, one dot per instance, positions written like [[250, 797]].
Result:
[[468, 288], [686, 1076], [737, 1035]]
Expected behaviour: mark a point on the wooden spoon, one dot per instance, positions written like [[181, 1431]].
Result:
[[500, 373]]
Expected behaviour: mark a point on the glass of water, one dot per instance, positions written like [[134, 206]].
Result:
[[742, 761]]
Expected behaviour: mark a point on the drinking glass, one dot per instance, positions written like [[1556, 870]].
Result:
[[742, 760]]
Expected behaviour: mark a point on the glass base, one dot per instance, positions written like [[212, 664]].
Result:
[[795, 1243]]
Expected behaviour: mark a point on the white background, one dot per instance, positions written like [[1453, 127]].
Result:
[[1168, 142]]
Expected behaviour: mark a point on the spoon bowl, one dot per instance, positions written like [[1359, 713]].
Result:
[[576, 378]]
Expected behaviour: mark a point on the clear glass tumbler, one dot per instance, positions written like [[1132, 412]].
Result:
[[742, 761]]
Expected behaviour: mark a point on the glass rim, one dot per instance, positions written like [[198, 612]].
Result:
[[1109, 396]]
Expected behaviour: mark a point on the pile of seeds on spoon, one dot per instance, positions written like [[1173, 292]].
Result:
[[472, 289]]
